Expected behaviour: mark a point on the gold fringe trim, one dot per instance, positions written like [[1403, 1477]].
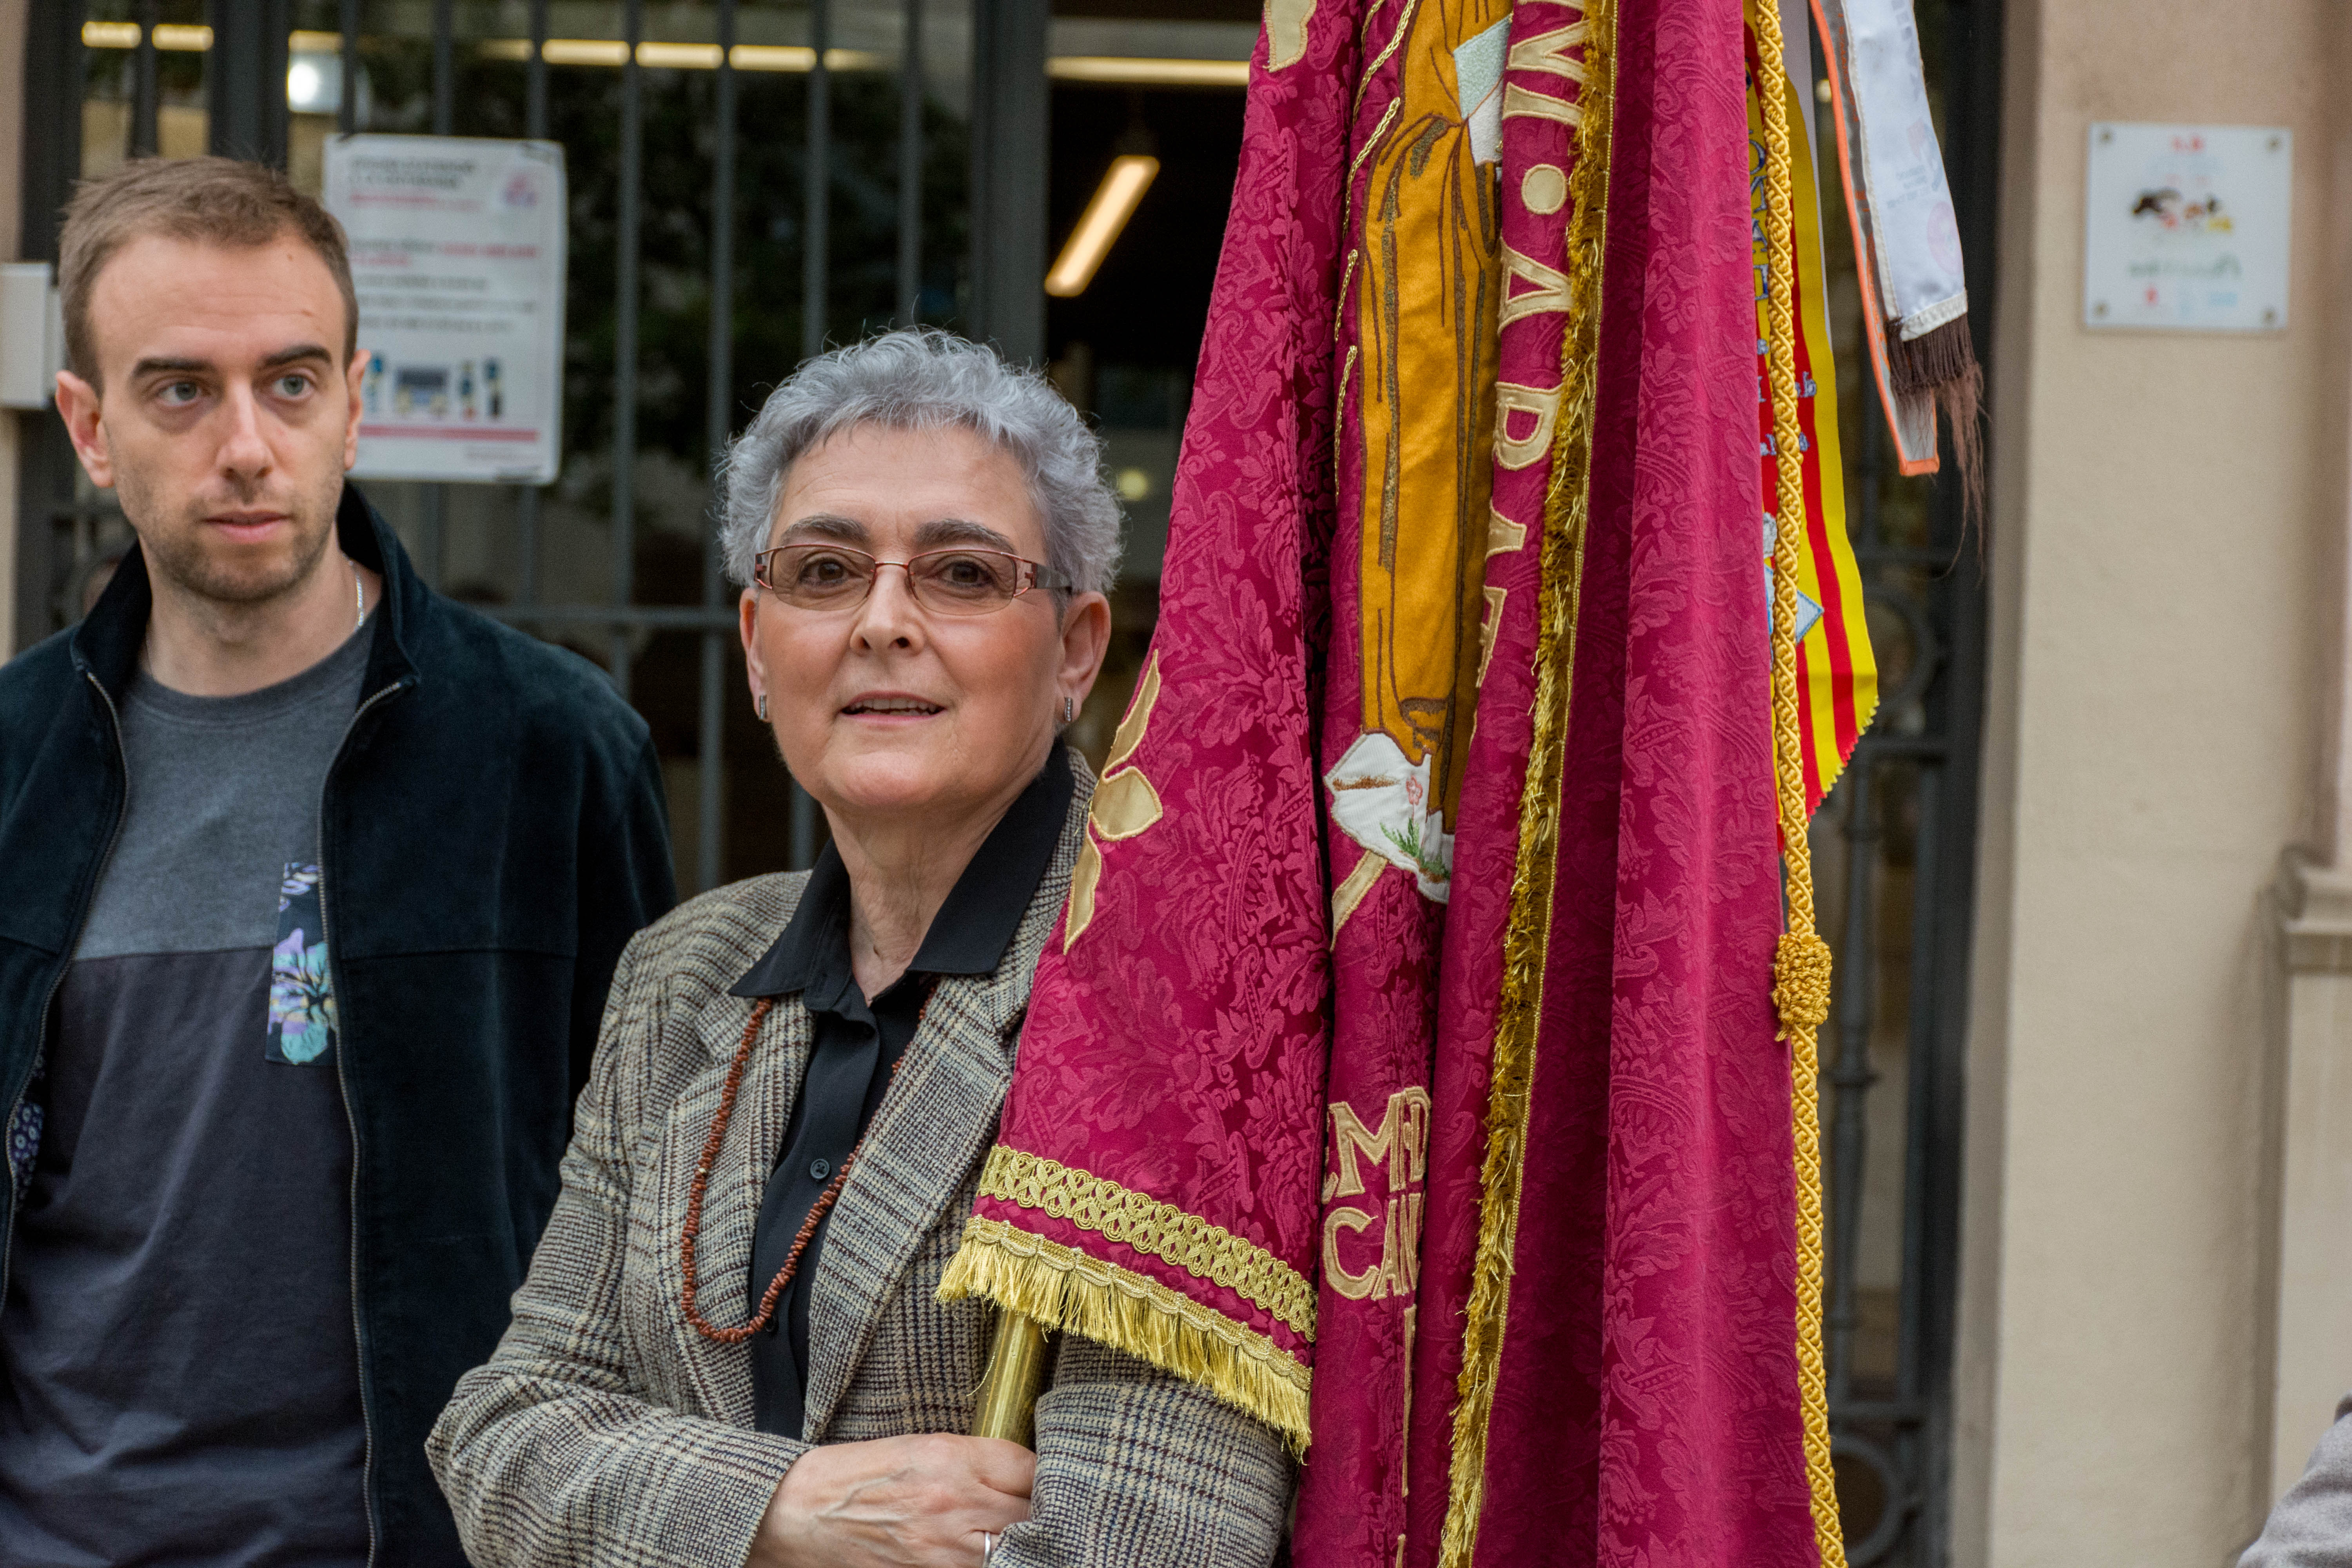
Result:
[[1567, 502], [1063, 1289], [1801, 967], [1139, 1220]]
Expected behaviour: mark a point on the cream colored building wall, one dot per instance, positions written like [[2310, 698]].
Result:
[[2168, 511]]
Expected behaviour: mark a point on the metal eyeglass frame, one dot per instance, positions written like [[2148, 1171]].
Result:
[[1031, 575]]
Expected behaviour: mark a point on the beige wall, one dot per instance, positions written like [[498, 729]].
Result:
[[2168, 511]]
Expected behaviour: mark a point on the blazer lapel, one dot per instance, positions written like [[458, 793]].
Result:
[[720, 1373], [932, 1127], [927, 1141]]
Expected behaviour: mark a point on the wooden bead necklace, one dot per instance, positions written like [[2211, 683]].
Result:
[[817, 1210]]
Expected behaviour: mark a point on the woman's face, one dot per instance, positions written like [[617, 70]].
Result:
[[885, 708]]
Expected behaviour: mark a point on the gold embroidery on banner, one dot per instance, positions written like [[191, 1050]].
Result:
[[1129, 733], [1364, 82], [1352, 1286], [1489, 627], [1349, 893], [1397, 1273], [1399, 1142], [1372, 142], [1543, 403], [1543, 189], [1404, 1475], [1547, 52], [1285, 31], [1518, 100], [1503, 534], [1566, 500], [1340, 406], [1548, 295], [1204, 1250], [1063, 1289], [1085, 879], [1125, 803], [1399, 1247], [1426, 299]]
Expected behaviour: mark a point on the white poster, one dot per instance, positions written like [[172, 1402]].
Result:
[[458, 254], [2187, 226]]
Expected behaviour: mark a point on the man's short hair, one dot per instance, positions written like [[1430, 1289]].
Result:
[[211, 201]]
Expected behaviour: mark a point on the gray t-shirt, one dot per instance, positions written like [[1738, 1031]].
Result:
[[179, 1366]]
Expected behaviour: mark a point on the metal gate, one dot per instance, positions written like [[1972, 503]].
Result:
[[895, 196], [879, 185], [1894, 856]]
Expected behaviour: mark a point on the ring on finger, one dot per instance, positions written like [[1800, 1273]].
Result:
[[987, 1548]]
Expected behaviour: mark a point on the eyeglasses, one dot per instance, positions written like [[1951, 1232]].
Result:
[[944, 582]]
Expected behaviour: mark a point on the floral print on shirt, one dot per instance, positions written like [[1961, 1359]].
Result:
[[301, 993]]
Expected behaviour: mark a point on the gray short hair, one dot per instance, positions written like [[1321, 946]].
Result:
[[924, 379]]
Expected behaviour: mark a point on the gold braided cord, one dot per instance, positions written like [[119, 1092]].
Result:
[[1063, 1289], [1139, 1220], [1528, 934], [1801, 966]]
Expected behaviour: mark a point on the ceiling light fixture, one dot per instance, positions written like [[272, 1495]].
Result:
[[1137, 70], [1099, 227], [654, 54]]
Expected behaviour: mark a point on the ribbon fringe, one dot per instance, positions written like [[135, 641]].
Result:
[[1066, 1290], [1940, 367]]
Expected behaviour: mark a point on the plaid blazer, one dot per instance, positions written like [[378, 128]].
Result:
[[606, 1430]]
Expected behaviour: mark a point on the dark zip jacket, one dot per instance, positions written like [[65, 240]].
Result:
[[491, 834]]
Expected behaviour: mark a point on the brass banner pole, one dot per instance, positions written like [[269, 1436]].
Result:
[[1015, 1377]]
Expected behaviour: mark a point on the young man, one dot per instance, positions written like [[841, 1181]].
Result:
[[312, 883]]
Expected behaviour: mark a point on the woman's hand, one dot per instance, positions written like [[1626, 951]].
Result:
[[896, 1502]]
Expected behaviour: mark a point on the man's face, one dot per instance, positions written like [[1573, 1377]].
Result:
[[226, 418]]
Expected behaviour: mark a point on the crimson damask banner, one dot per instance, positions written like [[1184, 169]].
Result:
[[1629, 1394], [1157, 1173], [1404, 1068]]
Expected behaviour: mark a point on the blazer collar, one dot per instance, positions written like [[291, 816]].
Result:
[[973, 927], [934, 1128]]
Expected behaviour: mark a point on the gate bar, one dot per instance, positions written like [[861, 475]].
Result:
[[911, 168], [712, 738], [432, 540], [347, 49], [816, 291], [534, 126], [146, 91], [624, 341]]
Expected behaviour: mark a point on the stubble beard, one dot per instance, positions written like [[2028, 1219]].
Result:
[[177, 551]]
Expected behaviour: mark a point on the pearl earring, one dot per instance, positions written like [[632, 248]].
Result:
[[1069, 709], [762, 705]]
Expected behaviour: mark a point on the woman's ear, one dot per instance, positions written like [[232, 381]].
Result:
[[1085, 638], [755, 668]]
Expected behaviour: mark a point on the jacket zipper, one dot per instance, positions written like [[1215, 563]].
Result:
[[342, 1083], [81, 924]]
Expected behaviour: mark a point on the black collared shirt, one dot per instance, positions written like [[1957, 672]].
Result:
[[856, 1042]]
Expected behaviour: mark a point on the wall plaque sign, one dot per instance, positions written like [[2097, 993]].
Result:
[[2188, 226]]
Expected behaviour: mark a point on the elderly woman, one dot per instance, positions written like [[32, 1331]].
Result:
[[729, 1348]]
